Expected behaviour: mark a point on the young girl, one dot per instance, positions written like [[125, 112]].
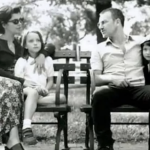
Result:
[[146, 60], [40, 85]]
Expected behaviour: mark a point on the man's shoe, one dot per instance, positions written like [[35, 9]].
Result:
[[28, 137], [105, 148]]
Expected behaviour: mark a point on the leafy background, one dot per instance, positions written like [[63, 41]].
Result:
[[64, 22]]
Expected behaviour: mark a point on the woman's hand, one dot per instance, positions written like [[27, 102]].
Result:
[[39, 63]]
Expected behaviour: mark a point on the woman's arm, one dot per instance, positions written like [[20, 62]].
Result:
[[6, 74], [49, 50]]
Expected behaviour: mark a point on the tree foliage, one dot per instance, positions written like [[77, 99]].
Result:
[[65, 21], [62, 21]]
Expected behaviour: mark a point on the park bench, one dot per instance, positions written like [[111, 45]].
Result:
[[90, 86], [60, 110]]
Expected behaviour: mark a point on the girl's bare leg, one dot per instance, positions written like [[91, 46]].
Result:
[[13, 137], [30, 108], [50, 99]]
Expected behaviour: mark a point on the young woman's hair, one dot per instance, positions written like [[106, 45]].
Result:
[[146, 43], [25, 51], [6, 13]]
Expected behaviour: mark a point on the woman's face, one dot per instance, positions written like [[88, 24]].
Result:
[[146, 52], [14, 25], [33, 42]]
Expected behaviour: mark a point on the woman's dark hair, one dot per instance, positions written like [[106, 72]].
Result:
[[25, 51], [6, 13], [146, 43]]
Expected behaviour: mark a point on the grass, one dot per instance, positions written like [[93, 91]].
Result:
[[76, 123]]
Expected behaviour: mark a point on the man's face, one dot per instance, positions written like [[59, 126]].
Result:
[[146, 52], [107, 25]]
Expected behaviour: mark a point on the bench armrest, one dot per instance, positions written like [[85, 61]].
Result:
[[58, 83], [92, 81]]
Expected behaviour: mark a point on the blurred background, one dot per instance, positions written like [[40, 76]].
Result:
[[64, 22]]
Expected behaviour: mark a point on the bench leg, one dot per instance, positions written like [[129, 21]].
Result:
[[65, 130], [91, 133], [86, 134], [60, 128], [149, 130]]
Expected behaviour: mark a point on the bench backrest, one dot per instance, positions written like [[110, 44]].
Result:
[[66, 56]]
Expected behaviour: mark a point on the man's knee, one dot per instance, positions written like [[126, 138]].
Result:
[[100, 94]]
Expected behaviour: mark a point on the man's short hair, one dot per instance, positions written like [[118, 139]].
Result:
[[116, 14]]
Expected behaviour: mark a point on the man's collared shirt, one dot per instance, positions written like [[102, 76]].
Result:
[[127, 63]]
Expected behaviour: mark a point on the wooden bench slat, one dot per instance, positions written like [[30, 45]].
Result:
[[53, 108], [85, 54], [83, 80], [64, 54], [71, 54], [122, 109], [71, 80], [85, 66], [69, 67]]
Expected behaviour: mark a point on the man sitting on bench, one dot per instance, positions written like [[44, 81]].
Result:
[[118, 69]]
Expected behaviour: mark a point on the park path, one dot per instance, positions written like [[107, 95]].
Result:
[[117, 146]]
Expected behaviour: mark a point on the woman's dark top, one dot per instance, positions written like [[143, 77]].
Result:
[[8, 59], [147, 75]]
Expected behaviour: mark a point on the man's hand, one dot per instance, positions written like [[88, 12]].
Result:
[[42, 91], [28, 83], [121, 82], [39, 63]]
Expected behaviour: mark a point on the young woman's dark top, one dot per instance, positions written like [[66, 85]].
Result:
[[147, 75], [8, 59]]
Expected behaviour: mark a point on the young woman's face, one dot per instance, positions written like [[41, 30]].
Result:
[[146, 52], [14, 25], [33, 42]]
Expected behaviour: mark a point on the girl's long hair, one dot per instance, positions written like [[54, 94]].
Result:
[[144, 61], [25, 51]]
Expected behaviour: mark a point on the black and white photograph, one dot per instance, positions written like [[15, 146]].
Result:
[[74, 74]]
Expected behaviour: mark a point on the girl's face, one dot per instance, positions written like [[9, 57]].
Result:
[[146, 52], [33, 42], [14, 25]]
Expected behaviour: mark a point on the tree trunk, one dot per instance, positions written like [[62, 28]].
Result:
[[99, 8]]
